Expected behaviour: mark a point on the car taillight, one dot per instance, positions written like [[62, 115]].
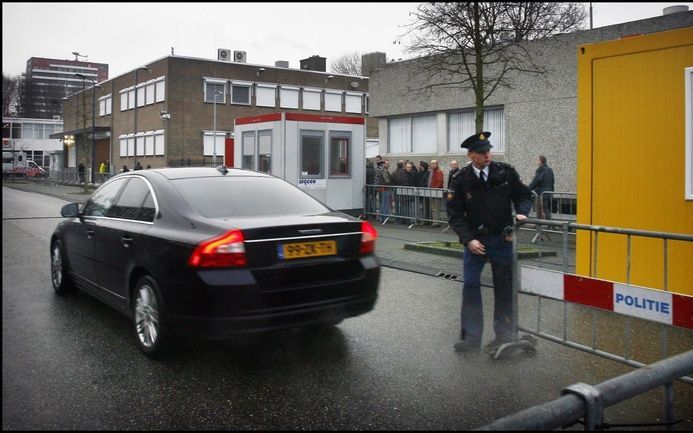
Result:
[[368, 236], [222, 251]]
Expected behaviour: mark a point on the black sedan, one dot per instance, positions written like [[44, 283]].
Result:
[[213, 252]]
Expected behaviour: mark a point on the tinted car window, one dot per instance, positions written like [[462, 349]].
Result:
[[130, 200], [104, 198], [148, 209], [216, 197]]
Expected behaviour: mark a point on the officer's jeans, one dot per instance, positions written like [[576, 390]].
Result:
[[499, 253]]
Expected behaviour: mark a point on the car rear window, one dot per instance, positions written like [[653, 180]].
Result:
[[216, 197]]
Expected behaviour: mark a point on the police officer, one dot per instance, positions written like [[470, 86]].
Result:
[[479, 205]]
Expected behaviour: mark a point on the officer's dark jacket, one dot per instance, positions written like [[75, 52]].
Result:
[[476, 207]]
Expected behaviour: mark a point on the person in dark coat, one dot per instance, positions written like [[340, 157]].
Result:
[[125, 169], [543, 181], [371, 206], [138, 166], [480, 210], [80, 172]]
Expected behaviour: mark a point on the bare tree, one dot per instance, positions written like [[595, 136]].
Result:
[[479, 46], [347, 64], [11, 95]]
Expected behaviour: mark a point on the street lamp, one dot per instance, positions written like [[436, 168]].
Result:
[[214, 139], [141, 68], [93, 127]]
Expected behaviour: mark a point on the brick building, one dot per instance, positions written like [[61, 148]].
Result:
[[163, 114]]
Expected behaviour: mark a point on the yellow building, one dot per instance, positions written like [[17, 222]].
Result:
[[635, 129]]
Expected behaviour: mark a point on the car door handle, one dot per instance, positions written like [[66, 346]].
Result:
[[126, 240], [89, 233]]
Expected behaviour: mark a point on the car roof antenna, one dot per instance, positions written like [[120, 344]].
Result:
[[222, 169]]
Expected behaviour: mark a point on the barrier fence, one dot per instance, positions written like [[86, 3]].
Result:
[[415, 205], [664, 308]]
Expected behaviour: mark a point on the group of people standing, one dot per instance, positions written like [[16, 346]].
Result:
[[404, 201]]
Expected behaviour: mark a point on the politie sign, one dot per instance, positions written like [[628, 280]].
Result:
[[650, 304]]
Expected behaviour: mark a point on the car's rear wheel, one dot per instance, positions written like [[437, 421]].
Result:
[[150, 327], [62, 284]]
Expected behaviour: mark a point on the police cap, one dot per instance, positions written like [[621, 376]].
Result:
[[478, 142]]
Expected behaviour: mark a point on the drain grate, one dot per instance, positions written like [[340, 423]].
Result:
[[446, 276]]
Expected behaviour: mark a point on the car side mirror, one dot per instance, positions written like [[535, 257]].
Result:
[[70, 210]]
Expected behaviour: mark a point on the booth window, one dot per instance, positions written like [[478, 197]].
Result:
[[311, 154], [340, 154], [264, 155], [248, 149]]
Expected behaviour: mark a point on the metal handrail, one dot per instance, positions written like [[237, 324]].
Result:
[[572, 406]]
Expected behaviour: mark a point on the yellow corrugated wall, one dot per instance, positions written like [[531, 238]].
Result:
[[631, 157]]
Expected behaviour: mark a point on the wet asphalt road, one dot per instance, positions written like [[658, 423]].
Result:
[[70, 363]]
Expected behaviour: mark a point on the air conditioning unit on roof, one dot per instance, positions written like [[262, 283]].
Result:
[[239, 56], [224, 54]]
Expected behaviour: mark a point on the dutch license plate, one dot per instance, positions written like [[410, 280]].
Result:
[[299, 250]]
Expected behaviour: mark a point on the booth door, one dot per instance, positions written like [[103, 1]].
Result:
[[228, 153]]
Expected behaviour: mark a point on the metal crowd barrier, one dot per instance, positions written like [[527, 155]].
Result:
[[406, 204], [585, 401], [553, 205], [662, 307]]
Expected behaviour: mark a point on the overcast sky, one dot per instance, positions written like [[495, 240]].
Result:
[[127, 35]]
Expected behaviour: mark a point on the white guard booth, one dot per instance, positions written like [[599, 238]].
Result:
[[324, 155]]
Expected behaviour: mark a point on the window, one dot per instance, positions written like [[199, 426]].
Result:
[[311, 99], [288, 97], [399, 135], [140, 95], [149, 93], [462, 125], [424, 134], [333, 101], [266, 95], [159, 143], [352, 102], [160, 89], [215, 91], [248, 150], [688, 86], [139, 144], [340, 154], [264, 155], [149, 144], [240, 93], [102, 201], [105, 105], [130, 201], [311, 154], [213, 144], [123, 100], [202, 194], [131, 98]]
